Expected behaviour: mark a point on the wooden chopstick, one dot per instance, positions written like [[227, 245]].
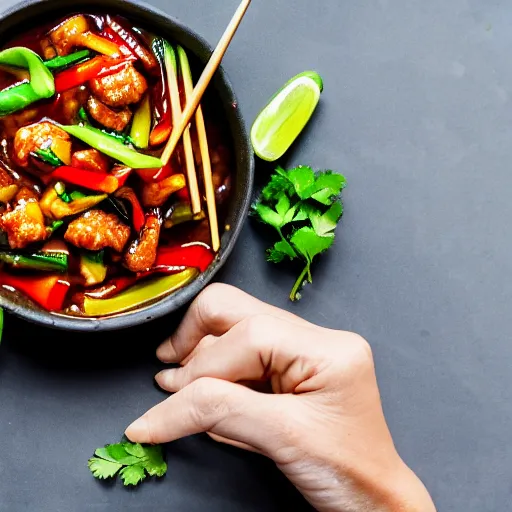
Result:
[[193, 186], [205, 157], [204, 81]]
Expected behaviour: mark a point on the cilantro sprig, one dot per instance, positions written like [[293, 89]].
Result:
[[304, 208], [133, 462]]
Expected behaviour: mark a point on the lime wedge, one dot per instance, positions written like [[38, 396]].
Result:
[[286, 115]]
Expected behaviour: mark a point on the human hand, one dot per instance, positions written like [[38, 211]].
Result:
[[323, 425]]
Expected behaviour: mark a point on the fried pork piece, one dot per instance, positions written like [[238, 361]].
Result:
[[65, 36], [97, 230], [141, 255], [26, 195], [107, 117], [156, 194], [90, 160], [48, 49], [35, 137], [5, 178], [121, 89], [11, 124], [25, 224], [70, 102]]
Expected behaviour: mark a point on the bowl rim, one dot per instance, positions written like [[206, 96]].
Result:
[[176, 300]]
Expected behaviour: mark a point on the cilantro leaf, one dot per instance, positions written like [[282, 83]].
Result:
[[155, 464], [268, 216], [132, 461], [133, 475], [277, 185], [103, 469], [303, 181], [283, 214], [326, 223], [103, 453], [309, 244], [328, 186], [280, 252], [305, 208], [137, 450], [283, 205]]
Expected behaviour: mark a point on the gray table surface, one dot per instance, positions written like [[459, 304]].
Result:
[[417, 114]]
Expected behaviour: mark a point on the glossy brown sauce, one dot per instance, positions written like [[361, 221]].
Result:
[[58, 109]]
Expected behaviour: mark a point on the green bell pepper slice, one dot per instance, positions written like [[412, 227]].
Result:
[[113, 148], [41, 85], [139, 295]]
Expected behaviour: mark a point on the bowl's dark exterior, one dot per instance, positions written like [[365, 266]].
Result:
[[30, 13]]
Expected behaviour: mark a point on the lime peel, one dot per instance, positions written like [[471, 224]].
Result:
[[285, 116]]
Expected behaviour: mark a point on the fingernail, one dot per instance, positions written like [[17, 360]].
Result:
[[166, 352], [137, 432], [165, 378]]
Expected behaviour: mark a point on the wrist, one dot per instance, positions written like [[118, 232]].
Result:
[[388, 487], [407, 492]]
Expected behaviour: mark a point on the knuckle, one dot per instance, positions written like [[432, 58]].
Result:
[[210, 404], [362, 347], [361, 355], [209, 302]]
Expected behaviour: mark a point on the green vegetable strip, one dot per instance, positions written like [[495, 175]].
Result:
[[43, 261], [138, 295], [48, 156], [76, 194], [41, 80], [59, 63], [17, 98], [56, 225], [110, 147], [141, 125], [121, 137], [82, 114], [95, 257]]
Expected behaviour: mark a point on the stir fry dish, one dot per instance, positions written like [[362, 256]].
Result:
[[92, 223]]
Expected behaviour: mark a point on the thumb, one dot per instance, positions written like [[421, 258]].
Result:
[[229, 412]]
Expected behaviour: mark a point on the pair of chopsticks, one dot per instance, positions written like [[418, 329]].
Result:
[[181, 123]]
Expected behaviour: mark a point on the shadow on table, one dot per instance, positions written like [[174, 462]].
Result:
[[71, 351]]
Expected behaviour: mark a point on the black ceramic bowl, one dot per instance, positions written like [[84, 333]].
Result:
[[31, 13]]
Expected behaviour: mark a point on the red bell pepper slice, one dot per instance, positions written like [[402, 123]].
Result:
[[108, 33], [156, 175], [107, 183], [183, 195], [121, 174], [48, 291], [98, 67], [138, 215], [190, 255], [131, 40], [162, 131]]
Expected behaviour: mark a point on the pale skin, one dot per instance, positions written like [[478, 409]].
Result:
[[261, 379]]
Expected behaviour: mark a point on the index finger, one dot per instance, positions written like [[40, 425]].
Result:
[[214, 312]]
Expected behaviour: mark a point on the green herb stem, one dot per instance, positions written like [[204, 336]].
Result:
[[300, 282]]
